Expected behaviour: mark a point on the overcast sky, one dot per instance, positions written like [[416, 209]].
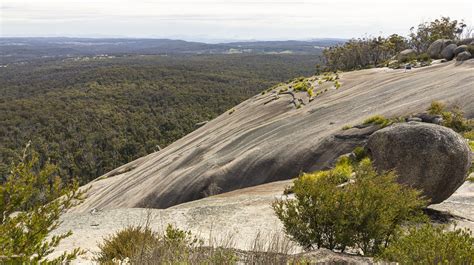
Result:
[[224, 19]]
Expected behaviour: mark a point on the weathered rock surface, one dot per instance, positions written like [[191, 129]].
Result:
[[434, 50], [429, 118], [260, 143], [429, 157], [448, 51], [406, 54], [463, 56], [240, 214], [460, 49]]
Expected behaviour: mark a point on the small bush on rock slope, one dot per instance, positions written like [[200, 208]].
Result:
[[432, 245], [366, 213], [353, 207], [140, 245]]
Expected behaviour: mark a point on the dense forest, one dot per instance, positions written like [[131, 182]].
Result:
[[91, 116]]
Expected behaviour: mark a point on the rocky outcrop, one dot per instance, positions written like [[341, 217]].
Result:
[[435, 49], [448, 52], [426, 117], [463, 56], [265, 141], [429, 157]]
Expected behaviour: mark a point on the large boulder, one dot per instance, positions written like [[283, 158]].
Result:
[[435, 49], [460, 49], [463, 56], [448, 51], [429, 157], [406, 55]]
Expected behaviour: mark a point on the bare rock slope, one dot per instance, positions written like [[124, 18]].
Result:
[[267, 138], [238, 215]]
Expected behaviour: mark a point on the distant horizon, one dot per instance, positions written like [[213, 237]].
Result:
[[201, 40], [214, 21]]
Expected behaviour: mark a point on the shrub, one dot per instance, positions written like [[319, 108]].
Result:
[[456, 121], [32, 200], [301, 86], [127, 243], [365, 214], [379, 120], [424, 57], [346, 127], [470, 49], [436, 108], [432, 245], [142, 246], [453, 119], [359, 153]]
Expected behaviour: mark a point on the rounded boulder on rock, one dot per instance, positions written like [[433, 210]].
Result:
[[435, 49], [448, 51], [463, 56], [428, 157], [460, 49], [406, 55]]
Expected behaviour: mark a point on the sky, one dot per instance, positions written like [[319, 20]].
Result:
[[221, 20]]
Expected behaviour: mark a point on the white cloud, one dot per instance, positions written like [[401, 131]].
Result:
[[222, 19]]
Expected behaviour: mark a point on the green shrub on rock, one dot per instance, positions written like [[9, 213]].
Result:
[[140, 245], [379, 120], [32, 199], [431, 245], [365, 212]]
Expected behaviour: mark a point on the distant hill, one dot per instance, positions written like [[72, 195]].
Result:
[[25, 49]]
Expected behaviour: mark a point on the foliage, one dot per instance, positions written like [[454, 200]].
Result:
[[359, 153], [301, 86], [455, 120], [31, 201], [436, 108], [379, 120], [426, 33], [127, 243], [143, 246], [370, 52], [365, 214], [89, 117], [363, 52], [430, 244]]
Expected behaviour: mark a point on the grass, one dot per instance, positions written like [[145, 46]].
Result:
[[346, 127], [378, 120], [141, 245]]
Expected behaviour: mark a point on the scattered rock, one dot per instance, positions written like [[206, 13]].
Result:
[[435, 49], [460, 49], [429, 157], [199, 124], [463, 56], [414, 119], [448, 51], [429, 118], [406, 55]]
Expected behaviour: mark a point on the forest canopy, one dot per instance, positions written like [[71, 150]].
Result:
[[91, 116]]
